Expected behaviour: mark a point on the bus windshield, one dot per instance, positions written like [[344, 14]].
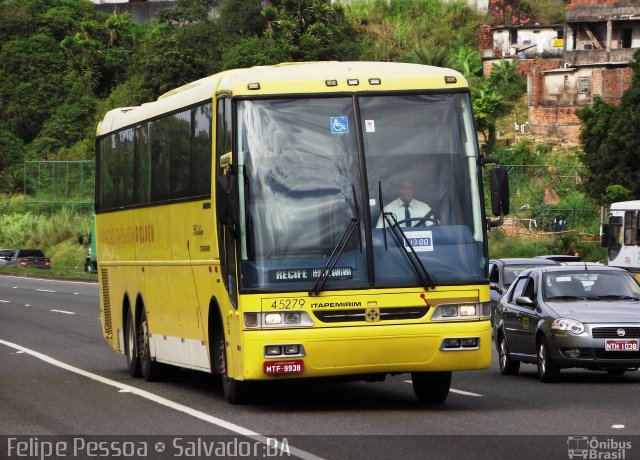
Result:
[[307, 167]]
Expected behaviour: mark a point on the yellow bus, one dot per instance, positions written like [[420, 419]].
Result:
[[243, 227]]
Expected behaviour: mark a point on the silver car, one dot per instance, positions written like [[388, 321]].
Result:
[[569, 316]]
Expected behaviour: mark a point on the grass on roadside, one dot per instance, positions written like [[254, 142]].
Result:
[[501, 246]]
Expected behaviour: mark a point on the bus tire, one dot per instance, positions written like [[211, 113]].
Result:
[[235, 391], [151, 370], [131, 346], [431, 387]]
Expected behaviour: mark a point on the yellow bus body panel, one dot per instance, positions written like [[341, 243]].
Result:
[[165, 257]]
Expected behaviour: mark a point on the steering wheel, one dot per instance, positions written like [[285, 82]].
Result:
[[408, 221]]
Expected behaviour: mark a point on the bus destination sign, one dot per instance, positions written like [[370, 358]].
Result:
[[303, 274]]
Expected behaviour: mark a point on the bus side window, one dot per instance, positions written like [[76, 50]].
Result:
[[630, 228]]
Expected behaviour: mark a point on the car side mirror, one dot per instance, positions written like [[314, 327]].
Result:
[[494, 286], [604, 237], [499, 183], [227, 193], [526, 302]]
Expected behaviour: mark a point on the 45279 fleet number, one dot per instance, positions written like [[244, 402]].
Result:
[[287, 304]]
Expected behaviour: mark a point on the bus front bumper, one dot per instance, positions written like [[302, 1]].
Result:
[[363, 350]]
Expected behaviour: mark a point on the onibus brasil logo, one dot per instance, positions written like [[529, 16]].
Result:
[[593, 448]]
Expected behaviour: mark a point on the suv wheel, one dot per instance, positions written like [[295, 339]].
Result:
[[508, 366]]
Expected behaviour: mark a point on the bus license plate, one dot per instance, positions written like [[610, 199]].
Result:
[[295, 366], [621, 345]]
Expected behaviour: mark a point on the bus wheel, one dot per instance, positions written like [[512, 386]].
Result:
[[235, 391], [151, 370], [431, 387], [131, 346]]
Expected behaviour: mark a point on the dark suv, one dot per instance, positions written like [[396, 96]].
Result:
[[29, 258]]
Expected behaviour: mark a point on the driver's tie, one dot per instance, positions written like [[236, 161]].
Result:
[[407, 215]]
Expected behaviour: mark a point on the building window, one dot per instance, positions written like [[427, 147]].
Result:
[[626, 38], [583, 85]]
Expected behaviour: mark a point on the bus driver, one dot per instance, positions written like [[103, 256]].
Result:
[[409, 211]]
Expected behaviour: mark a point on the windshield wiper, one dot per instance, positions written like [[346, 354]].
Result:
[[338, 249], [415, 261], [617, 297], [565, 297]]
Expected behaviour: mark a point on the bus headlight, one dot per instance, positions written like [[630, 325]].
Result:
[[467, 310], [277, 319], [457, 312]]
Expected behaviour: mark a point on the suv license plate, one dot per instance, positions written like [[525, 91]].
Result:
[[621, 345]]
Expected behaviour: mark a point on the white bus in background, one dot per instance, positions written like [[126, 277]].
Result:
[[621, 236]]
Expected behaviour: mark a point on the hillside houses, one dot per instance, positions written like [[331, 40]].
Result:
[[568, 64]]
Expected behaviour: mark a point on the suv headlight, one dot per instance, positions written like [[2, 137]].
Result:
[[566, 324]]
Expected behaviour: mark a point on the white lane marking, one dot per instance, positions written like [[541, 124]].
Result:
[[52, 280], [64, 312], [27, 305], [160, 400], [617, 427], [45, 290], [453, 390], [466, 393], [75, 293], [5, 301]]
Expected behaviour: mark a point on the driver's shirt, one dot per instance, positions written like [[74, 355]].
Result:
[[416, 209]]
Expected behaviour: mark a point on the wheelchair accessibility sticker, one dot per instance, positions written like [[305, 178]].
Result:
[[339, 125]]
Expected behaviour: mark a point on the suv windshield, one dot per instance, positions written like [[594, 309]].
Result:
[[303, 178], [30, 253], [591, 285]]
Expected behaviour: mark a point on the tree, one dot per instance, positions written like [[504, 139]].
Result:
[[31, 83], [12, 150], [312, 29], [170, 57], [615, 193], [487, 104], [241, 19], [506, 80], [252, 51], [466, 60]]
